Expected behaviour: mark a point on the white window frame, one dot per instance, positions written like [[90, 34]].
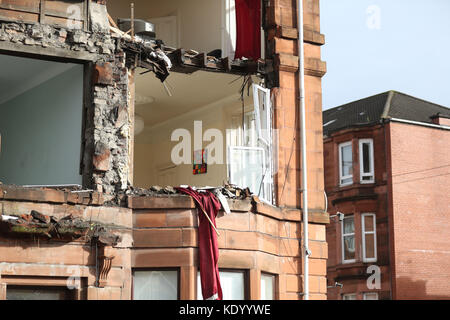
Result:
[[268, 113], [362, 174], [370, 293], [341, 177], [264, 143], [350, 295], [230, 164], [343, 235], [364, 232]]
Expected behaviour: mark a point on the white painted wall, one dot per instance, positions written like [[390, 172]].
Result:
[[199, 22], [41, 132], [151, 158]]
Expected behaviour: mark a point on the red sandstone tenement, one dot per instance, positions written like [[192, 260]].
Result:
[[95, 157], [396, 194]]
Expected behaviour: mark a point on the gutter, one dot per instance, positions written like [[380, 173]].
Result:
[[423, 124], [304, 170]]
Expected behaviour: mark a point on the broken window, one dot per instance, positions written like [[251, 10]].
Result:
[[41, 114]]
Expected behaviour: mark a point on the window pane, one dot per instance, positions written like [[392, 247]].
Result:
[[347, 181], [371, 296], [233, 285], [267, 287], [349, 225], [38, 293], [155, 285], [247, 169], [370, 246], [368, 223], [366, 158], [349, 296], [347, 161], [349, 247]]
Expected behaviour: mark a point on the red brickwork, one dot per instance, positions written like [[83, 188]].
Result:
[[420, 158], [410, 199], [266, 241], [356, 199], [39, 262]]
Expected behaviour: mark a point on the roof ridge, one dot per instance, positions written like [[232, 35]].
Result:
[[387, 106], [353, 102]]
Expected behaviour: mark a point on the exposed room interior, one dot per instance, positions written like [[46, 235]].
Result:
[[41, 111], [214, 99], [200, 25], [217, 99]]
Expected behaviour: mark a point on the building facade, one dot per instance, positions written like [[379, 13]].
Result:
[[386, 168], [85, 124]]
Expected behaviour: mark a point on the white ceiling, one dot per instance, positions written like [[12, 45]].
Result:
[[189, 92], [19, 75]]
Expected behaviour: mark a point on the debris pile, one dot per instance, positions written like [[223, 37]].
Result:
[[159, 58], [68, 228], [228, 190]]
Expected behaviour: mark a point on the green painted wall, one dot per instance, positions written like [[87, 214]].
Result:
[[41, 133]]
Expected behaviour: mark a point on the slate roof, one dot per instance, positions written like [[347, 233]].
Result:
[[374, 109]]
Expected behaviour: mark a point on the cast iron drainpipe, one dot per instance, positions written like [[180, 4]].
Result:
[[304, 178]]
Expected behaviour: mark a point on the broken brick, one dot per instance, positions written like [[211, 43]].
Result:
[[103, 73], [102, 157], [40, 217]]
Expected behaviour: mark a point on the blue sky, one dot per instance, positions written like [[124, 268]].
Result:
[[373, 46]]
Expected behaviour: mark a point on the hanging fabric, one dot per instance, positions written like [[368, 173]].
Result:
[[248, 29], [208, 246]]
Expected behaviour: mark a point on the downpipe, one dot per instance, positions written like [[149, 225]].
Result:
[[304, 171]]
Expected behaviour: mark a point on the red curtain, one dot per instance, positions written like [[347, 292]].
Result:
[[208, 246], [248, 29]]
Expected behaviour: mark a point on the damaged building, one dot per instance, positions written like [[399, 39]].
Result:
[[107, 108]]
